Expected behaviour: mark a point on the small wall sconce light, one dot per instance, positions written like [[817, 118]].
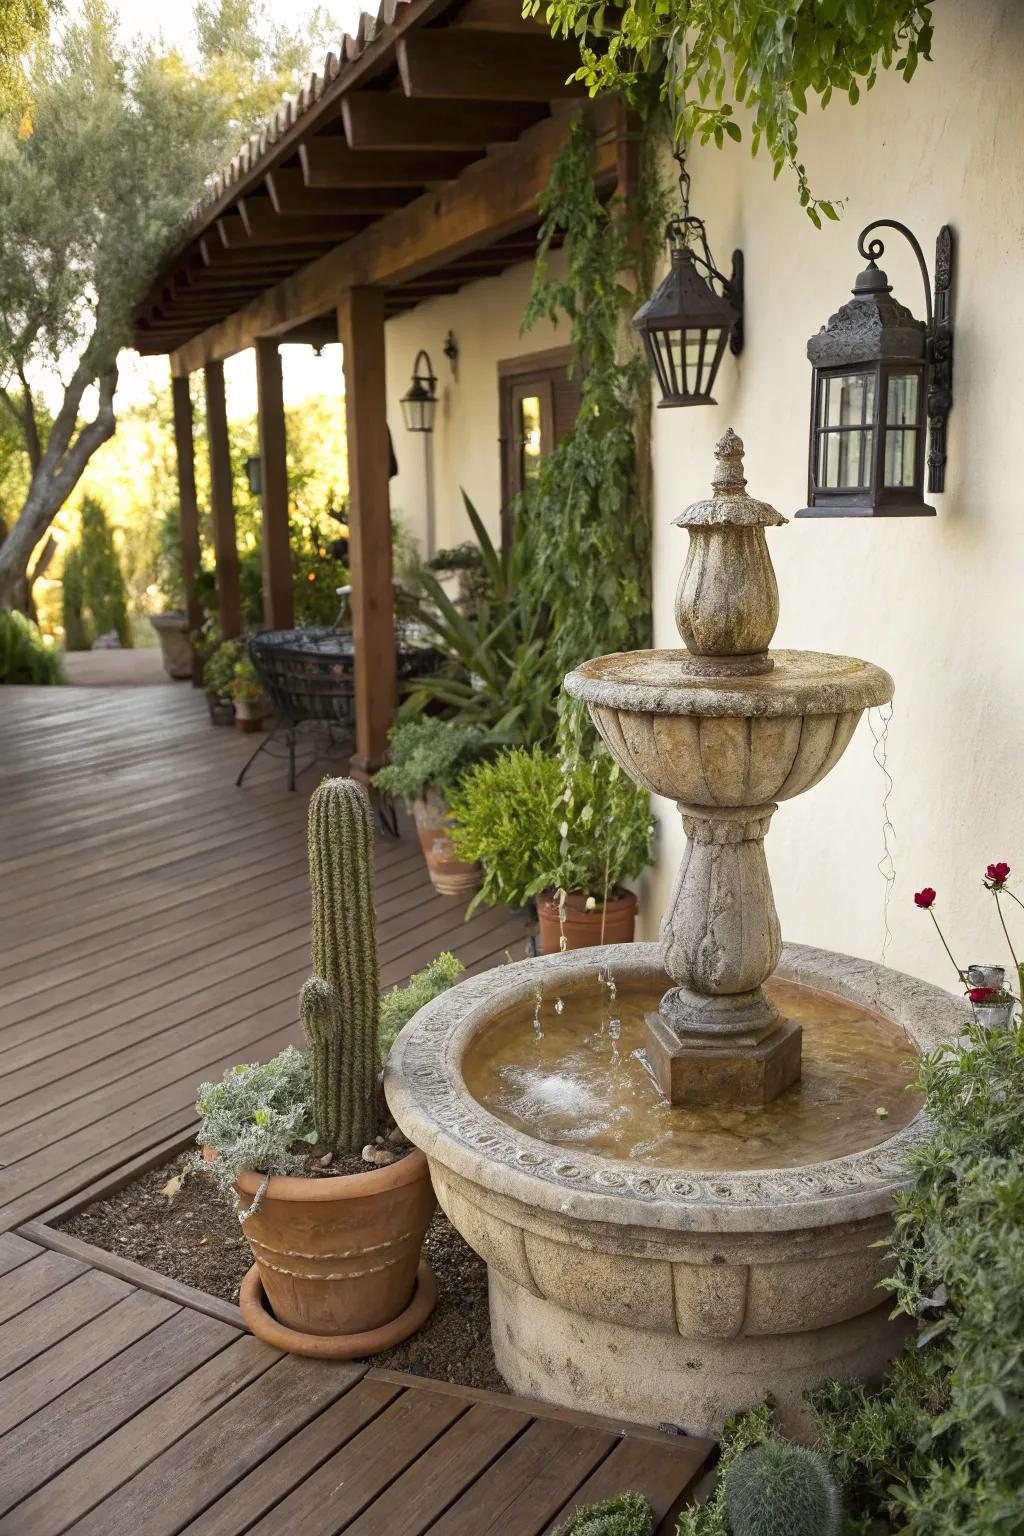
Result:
[[419, 403], [451, 351], [881, 378], [686, 324], [254, 474]]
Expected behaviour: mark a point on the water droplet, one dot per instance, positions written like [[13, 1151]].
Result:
[[559, 1005], [615, 1028]]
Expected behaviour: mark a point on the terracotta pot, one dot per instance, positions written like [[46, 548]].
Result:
[[614, 923], [339, 1256], [449, 875], [250, 714]]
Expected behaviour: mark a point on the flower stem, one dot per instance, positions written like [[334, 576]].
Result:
[[1009, 941], [946, 947]]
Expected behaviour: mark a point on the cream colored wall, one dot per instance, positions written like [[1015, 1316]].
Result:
[[485, 318], [936, 601]]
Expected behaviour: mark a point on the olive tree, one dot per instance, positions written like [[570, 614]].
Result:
[[95, 179]]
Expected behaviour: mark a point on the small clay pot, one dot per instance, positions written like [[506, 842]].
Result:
[[614, 923], [450, 876], [250, 714], [339, 1256]]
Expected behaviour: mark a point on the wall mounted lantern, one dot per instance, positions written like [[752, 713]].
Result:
[[693, 314], [451, 351], [881, 379], [254, 474], [419, 403]]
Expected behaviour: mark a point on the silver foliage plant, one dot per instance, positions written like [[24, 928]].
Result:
[[253, 1118]]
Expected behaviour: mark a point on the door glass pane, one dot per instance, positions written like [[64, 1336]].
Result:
[[900, 456], [901, 402], [529, 435]]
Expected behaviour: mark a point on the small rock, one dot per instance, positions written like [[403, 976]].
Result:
[[326, 1160], [882, 1113], [380, 1157], [396, 1138]]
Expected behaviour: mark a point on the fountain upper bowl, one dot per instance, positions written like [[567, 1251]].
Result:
[[729, 740]]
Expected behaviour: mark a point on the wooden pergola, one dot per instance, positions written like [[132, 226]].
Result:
[[412, 167]]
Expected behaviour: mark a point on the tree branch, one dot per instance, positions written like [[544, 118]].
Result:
[[30, 422]]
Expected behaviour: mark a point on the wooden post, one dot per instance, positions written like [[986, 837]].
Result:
[[188, 515], [277, 555], [222, 503], [361, 332]]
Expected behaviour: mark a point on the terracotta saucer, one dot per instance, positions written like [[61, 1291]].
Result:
[[341, 1346]]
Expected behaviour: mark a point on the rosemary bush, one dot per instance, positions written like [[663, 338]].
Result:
[[779, 1489], [24, 656], [398, 1006], [628, 1514]]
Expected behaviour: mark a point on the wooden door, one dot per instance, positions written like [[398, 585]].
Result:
[[539, 403]]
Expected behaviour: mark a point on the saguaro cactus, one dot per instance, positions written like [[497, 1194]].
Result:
[[339, 1004]]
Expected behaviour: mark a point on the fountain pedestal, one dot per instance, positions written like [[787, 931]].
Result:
[[726, 728]]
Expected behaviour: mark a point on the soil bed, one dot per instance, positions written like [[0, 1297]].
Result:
[[195, 1237]]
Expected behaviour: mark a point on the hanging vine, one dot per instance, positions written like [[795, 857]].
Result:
[[586, 518], [769, 56]]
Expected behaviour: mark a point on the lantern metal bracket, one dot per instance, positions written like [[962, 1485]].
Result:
[[939, 333], [687, 231]]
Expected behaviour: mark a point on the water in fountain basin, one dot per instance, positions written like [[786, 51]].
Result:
[[577, 1075]]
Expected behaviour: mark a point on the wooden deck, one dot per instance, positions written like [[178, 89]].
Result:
[[153, 930]]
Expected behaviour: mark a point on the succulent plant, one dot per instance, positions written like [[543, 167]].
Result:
[[779, 1489], [628, 1514], [339, 1004]]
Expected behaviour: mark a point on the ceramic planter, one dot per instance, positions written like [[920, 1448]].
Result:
[[449, 875], [250, 714], [175, 646], [338, 1271], [614, 923]]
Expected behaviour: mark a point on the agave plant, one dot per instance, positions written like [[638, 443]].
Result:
[[498, 673]]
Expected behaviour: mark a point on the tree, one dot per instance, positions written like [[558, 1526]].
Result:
[[95, 594], [94, 183], [20, 21]]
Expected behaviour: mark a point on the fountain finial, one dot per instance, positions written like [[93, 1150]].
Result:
[[727, 604]]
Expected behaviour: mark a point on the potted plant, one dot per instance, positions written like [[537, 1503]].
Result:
[[337, 1268], [218, 676], [428, 757], [171, 625], [562, 835], [247, 696]]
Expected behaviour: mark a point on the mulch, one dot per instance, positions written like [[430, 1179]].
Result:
[[194, 1237]]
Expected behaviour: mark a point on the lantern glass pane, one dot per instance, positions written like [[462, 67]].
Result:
[[901, 400], [844, 459], [712, 342], [694, 360], [846, 400]]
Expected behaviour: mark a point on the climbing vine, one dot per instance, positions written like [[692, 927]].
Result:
[[708, 57], [586, 519]]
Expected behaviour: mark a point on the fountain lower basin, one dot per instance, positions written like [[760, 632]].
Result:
[[677, 1290]]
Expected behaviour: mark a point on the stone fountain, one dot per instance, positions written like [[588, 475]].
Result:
[[676, 1223]]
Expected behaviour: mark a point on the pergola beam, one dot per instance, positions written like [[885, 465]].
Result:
[[276, 547], [222, 503], [292, 198], [464, 65], [387, 120], [493, 200], [330, 163], [188, 510]]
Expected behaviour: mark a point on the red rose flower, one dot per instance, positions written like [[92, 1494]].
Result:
[[924, 898], [997, 874], [981, 994]]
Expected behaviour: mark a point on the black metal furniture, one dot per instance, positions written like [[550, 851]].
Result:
[[309, 677]]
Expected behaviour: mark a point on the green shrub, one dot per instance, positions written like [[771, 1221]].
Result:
[[398, 1006], [170, 579], [426, 752], [95, 599], [24, 656], [219, 668], [254, 1117], [739, 1434], [779, 1489], [245, 683], [938, 1448], [535, 824], [628, 1514], [505, 815]]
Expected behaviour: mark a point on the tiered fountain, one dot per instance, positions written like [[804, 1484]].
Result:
[[680, 1196]]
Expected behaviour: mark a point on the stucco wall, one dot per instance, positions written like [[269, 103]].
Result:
[[933, 600], [485, 318], [936, 601]]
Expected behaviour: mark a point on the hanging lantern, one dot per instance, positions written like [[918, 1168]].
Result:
[[693, 314], [254, 474], [419, 403], [881, 378]]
